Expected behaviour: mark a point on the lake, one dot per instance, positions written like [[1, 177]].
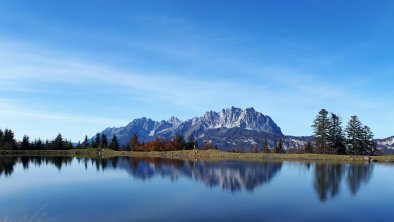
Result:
[[149, 189]]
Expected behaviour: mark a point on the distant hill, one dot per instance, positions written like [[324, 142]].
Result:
[[386, 145]]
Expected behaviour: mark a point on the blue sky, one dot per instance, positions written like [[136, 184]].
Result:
[[77, 67]]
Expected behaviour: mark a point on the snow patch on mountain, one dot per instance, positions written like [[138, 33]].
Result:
[[229, 129], [147, 129]]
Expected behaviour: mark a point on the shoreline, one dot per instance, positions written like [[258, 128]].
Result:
[[209, 155]]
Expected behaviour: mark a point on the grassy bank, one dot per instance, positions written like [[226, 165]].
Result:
[[197, 155]]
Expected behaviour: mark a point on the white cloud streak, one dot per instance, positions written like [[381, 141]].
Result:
[[20, 67], [27, 69]]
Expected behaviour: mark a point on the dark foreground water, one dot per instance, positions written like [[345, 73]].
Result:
[[129, 189]]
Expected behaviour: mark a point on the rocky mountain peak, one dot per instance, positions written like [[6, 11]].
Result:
[[174, 120], [233, 117]]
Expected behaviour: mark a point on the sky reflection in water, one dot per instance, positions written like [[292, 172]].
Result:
[[149, 189]]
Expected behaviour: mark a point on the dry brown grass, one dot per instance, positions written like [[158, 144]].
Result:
[[200, 155]]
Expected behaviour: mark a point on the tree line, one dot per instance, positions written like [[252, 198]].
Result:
[[330, 138], [99, 141], [8, 142]]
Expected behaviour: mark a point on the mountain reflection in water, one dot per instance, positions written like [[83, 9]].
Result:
[[227, 175]]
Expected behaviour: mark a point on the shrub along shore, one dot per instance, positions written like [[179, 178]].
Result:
[[208, 155]]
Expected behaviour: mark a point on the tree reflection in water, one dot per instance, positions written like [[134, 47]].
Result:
[[328, 177], [357, 175], [227, 175], [7, 165]]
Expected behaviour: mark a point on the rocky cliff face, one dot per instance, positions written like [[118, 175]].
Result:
[[202, 128], [230, 129], [386, 145]]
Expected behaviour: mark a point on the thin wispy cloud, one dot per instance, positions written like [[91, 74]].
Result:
[[172, 89], [42, 66], [160, 62]]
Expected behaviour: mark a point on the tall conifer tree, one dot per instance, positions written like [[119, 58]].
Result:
[[114, 143], [354, 133], [279, 148], [25, 143], [104, 141], [86, 143], [320, 130], [97, 141], [58, 142], [335, 136]]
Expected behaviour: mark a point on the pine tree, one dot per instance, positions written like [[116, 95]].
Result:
[[68, 145], [25, 143], [354, 132], [97, 141], [1, 138], [104, 141], [58, 142], [368, 142], [86, 143], [308, 148], [279, 147], [320, 129], [335, 136], [191, 143], [38, 145], [115, 143], [47, 145], [79, 145], [8, 140], [133, 143], [266, 148], [360, 139]]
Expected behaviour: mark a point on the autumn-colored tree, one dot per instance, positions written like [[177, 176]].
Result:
[[133, 143], [209, 146], [179, 142]]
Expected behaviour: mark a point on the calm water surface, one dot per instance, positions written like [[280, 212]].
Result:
[[130, 189]]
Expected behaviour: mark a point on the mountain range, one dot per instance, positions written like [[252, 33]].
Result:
[[230, 129], [386, 145]]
